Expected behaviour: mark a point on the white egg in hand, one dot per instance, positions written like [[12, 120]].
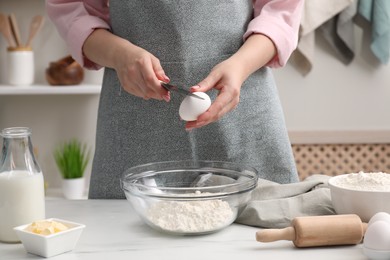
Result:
[[191, 107]]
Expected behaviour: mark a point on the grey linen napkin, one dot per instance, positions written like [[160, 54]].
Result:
[[274, 205], [315, 13], [340, 34]]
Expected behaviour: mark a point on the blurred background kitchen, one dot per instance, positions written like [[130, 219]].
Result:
[[336, 100]]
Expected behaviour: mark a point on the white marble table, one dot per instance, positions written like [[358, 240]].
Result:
[[114, 232]]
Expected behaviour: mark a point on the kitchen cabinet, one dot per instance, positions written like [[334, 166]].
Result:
[[114, 231]]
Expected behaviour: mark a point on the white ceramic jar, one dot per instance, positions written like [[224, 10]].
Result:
[[20, 65]]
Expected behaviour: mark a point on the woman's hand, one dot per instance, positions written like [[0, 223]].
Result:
[[228, 76], [138, 70]]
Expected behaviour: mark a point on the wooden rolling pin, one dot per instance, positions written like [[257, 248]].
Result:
[[318, 231]]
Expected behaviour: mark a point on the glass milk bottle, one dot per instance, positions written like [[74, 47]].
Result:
[[22, 196]]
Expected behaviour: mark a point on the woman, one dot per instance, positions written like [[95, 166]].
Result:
[[224, 48]]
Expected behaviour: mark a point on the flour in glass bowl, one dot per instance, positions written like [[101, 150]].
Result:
[[373, 181], [190, 216]]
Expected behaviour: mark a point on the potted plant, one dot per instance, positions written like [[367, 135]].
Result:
[[72, 158]]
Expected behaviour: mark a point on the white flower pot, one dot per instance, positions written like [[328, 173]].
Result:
[[73, 189]]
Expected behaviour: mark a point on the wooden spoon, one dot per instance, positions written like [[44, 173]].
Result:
[[15, 29], [6, 30], [35, 26]]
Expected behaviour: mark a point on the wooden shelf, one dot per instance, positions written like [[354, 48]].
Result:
[[50, 90]]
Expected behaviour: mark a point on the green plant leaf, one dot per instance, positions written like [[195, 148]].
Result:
[[72, 158]]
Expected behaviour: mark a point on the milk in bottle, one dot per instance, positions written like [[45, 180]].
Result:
[[21, 183]]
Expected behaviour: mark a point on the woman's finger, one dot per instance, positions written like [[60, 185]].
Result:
[[208, 83], [222, 104], [159, 71]]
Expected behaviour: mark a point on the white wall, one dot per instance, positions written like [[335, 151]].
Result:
[[333, 97], [337, 97]]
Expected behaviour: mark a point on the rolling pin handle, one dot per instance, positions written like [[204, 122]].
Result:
[[271, 235]]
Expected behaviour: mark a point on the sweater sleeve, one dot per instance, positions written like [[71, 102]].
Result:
[[75, 20], [279, 20]]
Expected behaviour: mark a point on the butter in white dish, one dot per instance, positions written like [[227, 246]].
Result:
[[52, 244], [46, 227]]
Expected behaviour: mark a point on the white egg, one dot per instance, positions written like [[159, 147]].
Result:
[[191, 107], [384, 216], [377, 236]]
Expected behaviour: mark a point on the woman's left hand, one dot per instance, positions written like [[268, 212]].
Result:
[[227, 78]]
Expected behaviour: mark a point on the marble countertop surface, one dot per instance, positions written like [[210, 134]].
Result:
[[114, 232]]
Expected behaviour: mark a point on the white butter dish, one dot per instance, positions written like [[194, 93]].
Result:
[[53, 244]]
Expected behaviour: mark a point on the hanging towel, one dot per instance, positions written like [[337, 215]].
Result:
[[274, 205], [339, 33], [378, 13], [315, 14]]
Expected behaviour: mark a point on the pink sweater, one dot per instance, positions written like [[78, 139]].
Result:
[[277, 19]]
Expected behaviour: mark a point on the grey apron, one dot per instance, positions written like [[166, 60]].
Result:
[[189, 37]]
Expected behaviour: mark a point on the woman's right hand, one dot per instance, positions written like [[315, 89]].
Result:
[[138, 70], [140, 73]]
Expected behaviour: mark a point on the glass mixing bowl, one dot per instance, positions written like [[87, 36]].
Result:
[[189, 197]]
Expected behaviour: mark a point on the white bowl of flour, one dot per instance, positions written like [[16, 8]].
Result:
[[361, 193], [187, 197]]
